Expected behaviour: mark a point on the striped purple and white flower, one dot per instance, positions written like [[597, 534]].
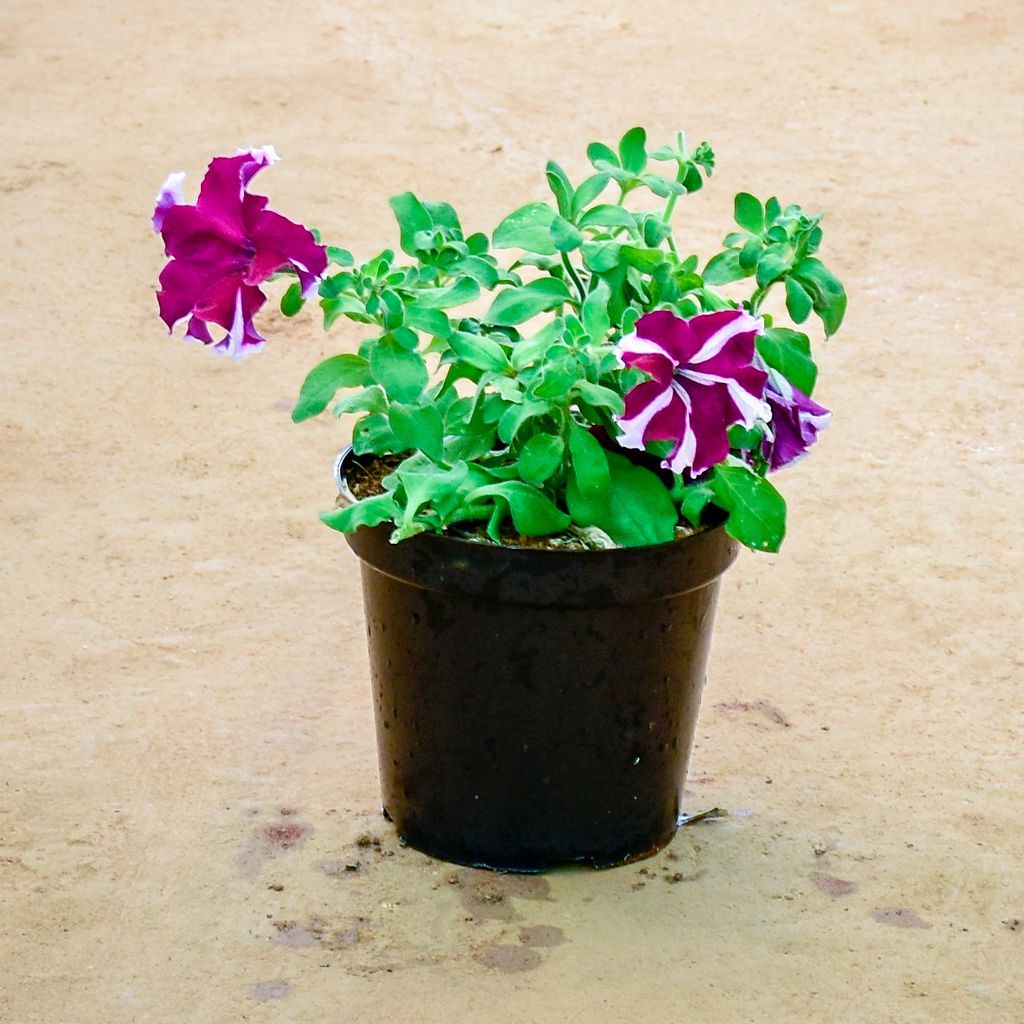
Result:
[[796, 420], [223, 248], [702, 381]]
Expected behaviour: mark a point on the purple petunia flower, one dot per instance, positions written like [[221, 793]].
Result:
[[702, 382], [223, 248], [796, 420]]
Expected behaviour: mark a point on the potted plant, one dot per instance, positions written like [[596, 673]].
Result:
[[564, 430]]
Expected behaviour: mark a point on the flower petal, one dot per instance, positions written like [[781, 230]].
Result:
[[225, 187], [710, 411], [631, 347], [170, 194], [181, 287], [191, 234], [279, 241], [670, 332], [713, 331], [242, 338], [669, 423], [643, 403], [796, 420]]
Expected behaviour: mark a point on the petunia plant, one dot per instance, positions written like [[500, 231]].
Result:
[[575, 373]]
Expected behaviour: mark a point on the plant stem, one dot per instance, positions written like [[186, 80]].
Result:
[[759, 296], [575, 277]]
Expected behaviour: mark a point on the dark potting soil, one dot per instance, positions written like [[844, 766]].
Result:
[[365, 476]]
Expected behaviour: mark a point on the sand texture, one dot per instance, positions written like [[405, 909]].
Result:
[[189, 812]]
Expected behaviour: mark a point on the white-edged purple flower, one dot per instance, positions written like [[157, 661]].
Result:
[[702, 382], [223, 248], [796, 420]]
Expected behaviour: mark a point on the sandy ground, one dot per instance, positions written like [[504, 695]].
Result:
[[187, 753]]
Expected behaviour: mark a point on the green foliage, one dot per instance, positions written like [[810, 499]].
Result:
[[634, 508], [495, 375], [517, 305], [527, 228], [325, 380], [757, 512], [789, 352]]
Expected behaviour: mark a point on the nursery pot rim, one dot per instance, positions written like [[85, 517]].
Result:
[[542, 576]]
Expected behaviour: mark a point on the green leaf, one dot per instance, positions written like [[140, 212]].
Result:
[[789, 352], [725, 267], [695, 499], [662, 186], [344, 305], [561, 188], [655, 231], [423, 484], [644, 260], [458, 293], [589, 465], [369, 399], [798, 300], [528, 228], [589, 189], [372, 434], [565, 236], [381, 508], [331, 287], [341, 257], [748, 212], [484, 273], [513, 419], [402, 374], [323, 382], [595, 311], [771, 264], [430, 321], [633, 150], [529, 350], [533, 513], [600, 396], [751, 252], [443, 215], [478, 243], [393, 309], [292, 300], [757, 512], [479, 351], [599, 152], [418, 427], [828, 295], [555, 379], [517, 305], [601, 257], [541, 456], [745, 438], [412, 216], [607, 215], [635, 509]]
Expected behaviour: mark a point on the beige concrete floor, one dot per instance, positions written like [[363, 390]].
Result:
[[187, 753]]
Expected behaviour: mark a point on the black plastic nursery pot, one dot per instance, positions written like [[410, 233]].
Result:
[[536, 707]]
